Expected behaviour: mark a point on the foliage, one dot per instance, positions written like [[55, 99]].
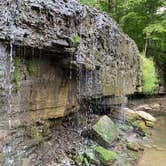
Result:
[[101, 5], [156, 35], [133, 23], [76, 40], [150, 81]]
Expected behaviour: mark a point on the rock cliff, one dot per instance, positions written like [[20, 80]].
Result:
[[54, 54]]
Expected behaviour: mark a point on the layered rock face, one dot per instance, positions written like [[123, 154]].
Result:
[[55, 53], [79, 38]]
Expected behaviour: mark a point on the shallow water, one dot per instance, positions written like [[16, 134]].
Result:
[[155, 155]]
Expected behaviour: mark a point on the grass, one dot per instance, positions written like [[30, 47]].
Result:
[[150, 80]]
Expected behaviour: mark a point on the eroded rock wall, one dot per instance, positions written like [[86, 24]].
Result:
[[105, 59], [53, 54]]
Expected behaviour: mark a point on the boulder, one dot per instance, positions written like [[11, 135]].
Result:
[[144, 107], [149, 124], [126, 114], [105, 131], [146, 116], [140, 126], [155, 106], [105, 156]]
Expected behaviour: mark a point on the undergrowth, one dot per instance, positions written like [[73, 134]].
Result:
[[150, 80]]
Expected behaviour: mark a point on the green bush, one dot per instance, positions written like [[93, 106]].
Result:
[[150, 80], [101, 5]]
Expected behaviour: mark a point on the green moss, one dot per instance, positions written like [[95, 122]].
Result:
[[86, 162], [105, 156], [46, 127], [33, 67], [78, 159], [90, 155], [150, 80], [140, 125], [106, 129], [34, 134], [149, 124], [16, 75], [133, 146], [76, 40]]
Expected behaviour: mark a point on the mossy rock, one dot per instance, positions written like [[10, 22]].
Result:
[[87, 158], [140, 126], [34, 134], [78, 159], [149, 124], [105, 131], [90, 155], [133, 146], [105, 156]]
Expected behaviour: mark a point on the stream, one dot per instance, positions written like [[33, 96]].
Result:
[[155, 154]]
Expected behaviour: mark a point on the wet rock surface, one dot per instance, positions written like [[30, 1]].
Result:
[[105, 131], [154, 105], [54, 55], [57, 25]]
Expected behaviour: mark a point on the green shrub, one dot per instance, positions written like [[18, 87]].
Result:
[[150, 80]]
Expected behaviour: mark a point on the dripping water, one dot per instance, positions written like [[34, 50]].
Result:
[[8, 147]]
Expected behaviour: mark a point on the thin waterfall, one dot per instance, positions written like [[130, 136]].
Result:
[[9, 70]]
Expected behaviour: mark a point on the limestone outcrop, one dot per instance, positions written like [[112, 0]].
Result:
[[103, 59], [54, 54]]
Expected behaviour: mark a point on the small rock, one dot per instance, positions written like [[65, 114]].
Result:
[[155, 106], [146, 116], [147, 146], [105, 156], [128, 113], [133, 146], [144, 107], [105, 131], [90, 155], [149, 124], [140, 125], [26, 162]]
